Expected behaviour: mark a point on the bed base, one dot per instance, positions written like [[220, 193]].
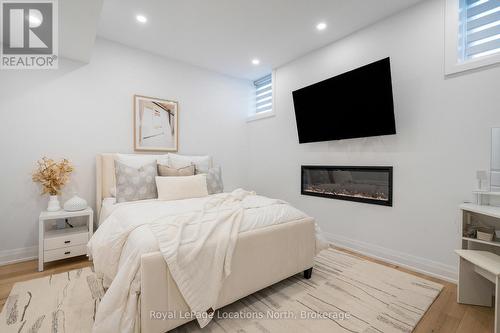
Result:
[[261, 258]]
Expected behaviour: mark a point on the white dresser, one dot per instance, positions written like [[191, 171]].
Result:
[[57, 244]]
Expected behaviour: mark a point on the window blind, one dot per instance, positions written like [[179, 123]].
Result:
[[479, 28], [264, 94]]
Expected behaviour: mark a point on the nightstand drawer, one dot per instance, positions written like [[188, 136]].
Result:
[[59, 240], [66, 252]]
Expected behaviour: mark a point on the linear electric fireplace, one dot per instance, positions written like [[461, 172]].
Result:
[[355, 183]]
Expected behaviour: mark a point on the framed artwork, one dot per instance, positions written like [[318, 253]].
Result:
[[155, 124]]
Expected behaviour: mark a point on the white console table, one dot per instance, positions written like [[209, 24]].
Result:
[[479, 266]]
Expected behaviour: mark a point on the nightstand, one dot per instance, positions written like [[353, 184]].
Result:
[[57, 244]]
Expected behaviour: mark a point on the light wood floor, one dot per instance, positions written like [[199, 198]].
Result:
[[444, 316]]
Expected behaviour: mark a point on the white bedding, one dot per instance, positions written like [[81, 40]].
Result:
[[125, 235]]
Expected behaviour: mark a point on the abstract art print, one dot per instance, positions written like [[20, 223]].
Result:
[[155, 124]]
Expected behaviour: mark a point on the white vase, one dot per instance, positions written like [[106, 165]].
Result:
[[75, 204], [54, 205]]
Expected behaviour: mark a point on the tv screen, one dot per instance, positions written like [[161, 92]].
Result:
[[351, 105]]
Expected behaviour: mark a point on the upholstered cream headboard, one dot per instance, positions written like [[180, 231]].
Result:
[[105, 177]]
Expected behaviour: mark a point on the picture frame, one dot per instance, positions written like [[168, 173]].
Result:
[[156, 124]]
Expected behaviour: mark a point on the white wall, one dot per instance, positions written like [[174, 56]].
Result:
[[80, 110], [443, 127]]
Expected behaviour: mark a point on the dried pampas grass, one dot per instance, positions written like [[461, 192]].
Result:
[[52, 175]]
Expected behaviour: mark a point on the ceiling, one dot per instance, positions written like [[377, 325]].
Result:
[[225, 35], [77, 28]]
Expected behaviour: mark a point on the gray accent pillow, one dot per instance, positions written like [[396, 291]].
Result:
[[134, 184], [214, 181]]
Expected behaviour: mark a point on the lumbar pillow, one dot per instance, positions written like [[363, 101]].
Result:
[[135, 183], [166, 171], [214, 181], [176, 188], [201, 163]]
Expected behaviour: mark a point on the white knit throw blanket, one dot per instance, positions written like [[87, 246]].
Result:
[[198, 247]]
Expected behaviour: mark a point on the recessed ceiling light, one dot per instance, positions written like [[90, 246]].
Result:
[[141, 18], [255, 61], [321, 26]]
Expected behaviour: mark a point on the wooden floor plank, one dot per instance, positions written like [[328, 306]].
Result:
[[476, 319], [444, 316]]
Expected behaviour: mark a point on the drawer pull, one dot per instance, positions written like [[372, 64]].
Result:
[[67, 252], [67, 242]]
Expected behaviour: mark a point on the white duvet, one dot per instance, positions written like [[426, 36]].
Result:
[[178, 229]]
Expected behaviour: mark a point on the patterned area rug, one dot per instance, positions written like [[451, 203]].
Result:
[[57, 303], [345, 294]]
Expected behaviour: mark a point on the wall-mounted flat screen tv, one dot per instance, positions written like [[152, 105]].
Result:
[[354, 104]]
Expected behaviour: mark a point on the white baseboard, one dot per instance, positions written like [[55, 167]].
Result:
[[18, 255], [418, 264]]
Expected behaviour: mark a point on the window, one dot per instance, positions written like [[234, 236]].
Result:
[[263, 98], [479, 28], [264, 94], [472, 33]]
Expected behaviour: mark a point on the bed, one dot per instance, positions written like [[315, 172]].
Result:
[[261, 258]]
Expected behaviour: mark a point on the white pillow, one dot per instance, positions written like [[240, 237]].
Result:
[[201, 163], [184, 187], [137, 161]]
